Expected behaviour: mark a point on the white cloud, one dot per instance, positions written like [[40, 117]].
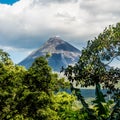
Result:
[[28, 23]]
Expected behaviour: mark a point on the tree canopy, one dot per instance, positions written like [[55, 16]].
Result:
[[32, 94]]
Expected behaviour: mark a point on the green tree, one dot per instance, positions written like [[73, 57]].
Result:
[[36, 97], [11, 77], [40, 87], [4, 56], [91, 69]]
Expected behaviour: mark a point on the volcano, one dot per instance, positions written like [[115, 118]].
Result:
[[61, 54]]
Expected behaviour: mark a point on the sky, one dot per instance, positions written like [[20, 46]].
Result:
[[10, 2], [26, 24]]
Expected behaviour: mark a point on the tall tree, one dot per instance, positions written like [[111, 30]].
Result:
[[37, 99], [92, 67]]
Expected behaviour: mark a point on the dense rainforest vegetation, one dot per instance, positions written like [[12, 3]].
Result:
[[35, 94]]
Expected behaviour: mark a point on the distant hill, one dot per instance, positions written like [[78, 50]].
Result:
[[62, 53]]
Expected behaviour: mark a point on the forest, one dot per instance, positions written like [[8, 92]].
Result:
[[39, 94]]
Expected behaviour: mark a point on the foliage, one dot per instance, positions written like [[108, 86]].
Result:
[[4, 56], [101, 107], [92, 68], [32, 94], [11, 77]]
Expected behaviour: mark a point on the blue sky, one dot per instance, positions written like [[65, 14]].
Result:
[[26, 24], [8, 1]]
